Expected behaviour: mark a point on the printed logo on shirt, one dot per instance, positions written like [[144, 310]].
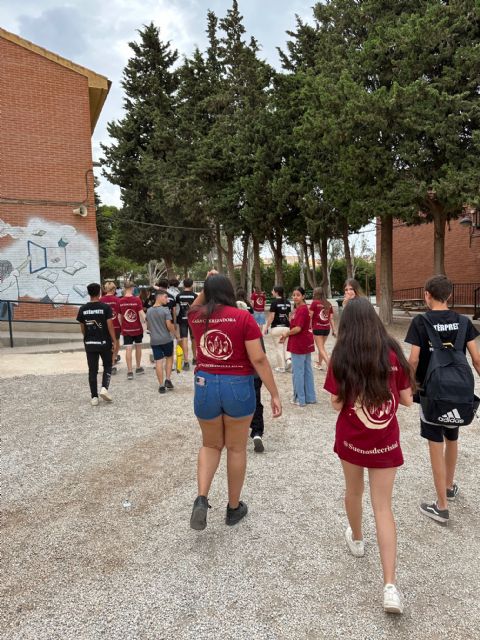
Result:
[[130, 315], [376, 417], [324, 315], [390, 447], [216, 344]]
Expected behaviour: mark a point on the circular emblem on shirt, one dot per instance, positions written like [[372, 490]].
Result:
[[376, 417], [323, 315], [260, 301], [216, 344], [130, 315]]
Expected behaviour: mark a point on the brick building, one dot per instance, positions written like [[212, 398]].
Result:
[[413, 257], [48, 237]]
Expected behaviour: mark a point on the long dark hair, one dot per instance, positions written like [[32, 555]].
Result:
[[218, 291], [356, 286], [319, 294], [361, 357], [241, 294]]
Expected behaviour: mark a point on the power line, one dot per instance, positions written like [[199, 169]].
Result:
[[154, 224]]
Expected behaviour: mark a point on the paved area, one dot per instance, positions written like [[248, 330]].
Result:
[[96, 504]]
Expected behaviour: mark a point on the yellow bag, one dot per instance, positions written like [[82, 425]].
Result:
[[179, 355]]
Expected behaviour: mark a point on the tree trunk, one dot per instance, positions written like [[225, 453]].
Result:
[[439, 223], [346, 249], [386, 269], [314, 270], [301, 263], [168, 260], [243, 270], [325, 271], [276, 241], [218, 244], [249, 269], [307, 263], [230, 259], [257, 280]]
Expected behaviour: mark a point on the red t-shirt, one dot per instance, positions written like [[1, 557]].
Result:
[[320, 315], [370, 437], [301, 343], [221, 350], [113, 301], [258, 301], [129, 309]]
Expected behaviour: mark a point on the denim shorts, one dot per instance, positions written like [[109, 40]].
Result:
[[161, 351], [259, 317], [215, 395]]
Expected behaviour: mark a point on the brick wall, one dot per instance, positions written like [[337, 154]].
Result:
[[46, 252], [413, 255]]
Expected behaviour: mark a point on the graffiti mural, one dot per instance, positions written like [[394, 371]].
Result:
[[46, 261]]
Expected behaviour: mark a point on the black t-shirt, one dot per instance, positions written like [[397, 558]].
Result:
[[281, 308], [94, 316], [446, 323], [184, 300]]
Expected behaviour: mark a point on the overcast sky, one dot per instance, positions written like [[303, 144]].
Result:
[[96, 33]]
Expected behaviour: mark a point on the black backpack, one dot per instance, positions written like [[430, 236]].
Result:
[[448, 398]]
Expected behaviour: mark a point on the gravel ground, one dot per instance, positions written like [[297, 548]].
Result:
[[96, 541]]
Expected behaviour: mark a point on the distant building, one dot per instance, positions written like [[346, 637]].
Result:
[[48, 237]]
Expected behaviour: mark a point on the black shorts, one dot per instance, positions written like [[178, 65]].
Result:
[[436, 433], [321, 332], [128, 340], [161, 351], [184, 328]]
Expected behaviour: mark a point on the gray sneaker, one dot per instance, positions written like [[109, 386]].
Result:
[[130, 375], [452, 493], [139, 370], [198, 519], [433, 512], [258, 444], [186, 366], [235, 515]]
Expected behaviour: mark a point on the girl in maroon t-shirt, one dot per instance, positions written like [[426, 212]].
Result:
[[322, 320], [301, 346], [111, 299], [229, 351], [368, 378]]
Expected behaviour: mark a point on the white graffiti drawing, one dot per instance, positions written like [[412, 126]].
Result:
[[46, 260]]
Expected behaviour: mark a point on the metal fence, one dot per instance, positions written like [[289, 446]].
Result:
[[463, 294], [7, 314]]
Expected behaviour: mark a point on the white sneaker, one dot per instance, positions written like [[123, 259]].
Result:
[[94, 402], [392, 599], [356, 547], [279, 369], [105, 395]]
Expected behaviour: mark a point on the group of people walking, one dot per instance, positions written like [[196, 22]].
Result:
[[367, 377]]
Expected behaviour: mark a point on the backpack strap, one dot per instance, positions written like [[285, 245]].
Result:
[[461, 333], [432, 333]]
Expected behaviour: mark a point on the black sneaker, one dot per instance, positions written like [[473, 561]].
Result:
[[194, 362], [452, 493], [130, 375], [186, 366], [198, 519], [258, 444], [432, 511], [235, 515], [117, 359], [168, 384], [162, 389], [139, 370], [114, 370]]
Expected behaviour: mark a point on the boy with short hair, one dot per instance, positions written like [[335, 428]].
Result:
[[442, 441], [132, 320], [96, 322], [162, 329], [184, 300]]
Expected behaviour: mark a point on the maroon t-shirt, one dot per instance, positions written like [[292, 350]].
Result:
[[113, 301], [129, 309], [221, 349], [258, 300], [320, 315], [303, 342], [370, 436]]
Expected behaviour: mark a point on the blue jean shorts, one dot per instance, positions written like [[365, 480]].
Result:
[[215, 395], [161, 351], [259, 317]]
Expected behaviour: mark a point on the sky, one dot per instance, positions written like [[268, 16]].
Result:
[[95, 34]]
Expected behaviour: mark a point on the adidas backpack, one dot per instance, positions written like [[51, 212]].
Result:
[[448, 398]]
